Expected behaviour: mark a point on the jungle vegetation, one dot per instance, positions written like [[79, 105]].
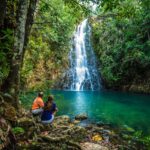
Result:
[[35, 40], [121, 37]]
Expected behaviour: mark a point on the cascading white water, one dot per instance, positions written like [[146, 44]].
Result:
[[83, 72]]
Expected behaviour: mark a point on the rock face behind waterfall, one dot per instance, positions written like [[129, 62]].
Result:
[[83, 74]]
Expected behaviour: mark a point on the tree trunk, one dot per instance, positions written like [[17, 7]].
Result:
[[14, 76], [3, 4], [24, 19], [29, 23]]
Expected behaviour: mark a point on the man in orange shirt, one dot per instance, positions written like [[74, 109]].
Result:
[[38, 104]]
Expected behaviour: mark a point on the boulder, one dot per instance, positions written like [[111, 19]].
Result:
[[76, 122], [107, 132], [31, 132], [76, 133], [25, 122], [100, 124], [92, 146], [7, 138], [10, 112], [89, 127], [64, 119], [81, 117]]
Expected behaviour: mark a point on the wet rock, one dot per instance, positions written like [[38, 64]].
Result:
[[62, 120], [7, 138], [92, 146], [89, 127], [10, 112], [128, 129], [31, 132], [97, 129], [24, 113], [25, 145], [25, 122], [100, 124], [45, 127], [106, 138], [107, 132], [76, 122], [76, 133], [81, 117], [104, 125]]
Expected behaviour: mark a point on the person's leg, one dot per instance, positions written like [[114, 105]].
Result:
[[52, 118], [48, 121], [37, 111]]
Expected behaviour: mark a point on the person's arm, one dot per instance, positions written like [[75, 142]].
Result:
[[55, 109], [41, 103]]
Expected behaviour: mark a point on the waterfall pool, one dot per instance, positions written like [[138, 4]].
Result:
[[117, 108]]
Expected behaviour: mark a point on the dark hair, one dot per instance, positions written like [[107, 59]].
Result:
[[49, 100], [40, 94]]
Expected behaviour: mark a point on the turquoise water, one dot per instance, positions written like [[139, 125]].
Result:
[[111, 107]]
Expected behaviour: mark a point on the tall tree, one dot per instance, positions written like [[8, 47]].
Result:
[[24, 20], [14, 75], [29, 23]]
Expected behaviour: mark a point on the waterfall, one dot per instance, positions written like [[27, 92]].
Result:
[[83, 70]]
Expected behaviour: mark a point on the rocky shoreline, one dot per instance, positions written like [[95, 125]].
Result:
[[22, 131]]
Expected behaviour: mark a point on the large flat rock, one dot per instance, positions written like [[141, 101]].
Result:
[[92, 146], [81, 117]]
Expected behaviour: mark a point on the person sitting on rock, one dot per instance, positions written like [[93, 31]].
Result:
[[38, 104], [49, 111]]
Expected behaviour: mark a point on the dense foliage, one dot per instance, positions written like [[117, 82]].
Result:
[[121, 35], [50, 43], [7, 25]]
